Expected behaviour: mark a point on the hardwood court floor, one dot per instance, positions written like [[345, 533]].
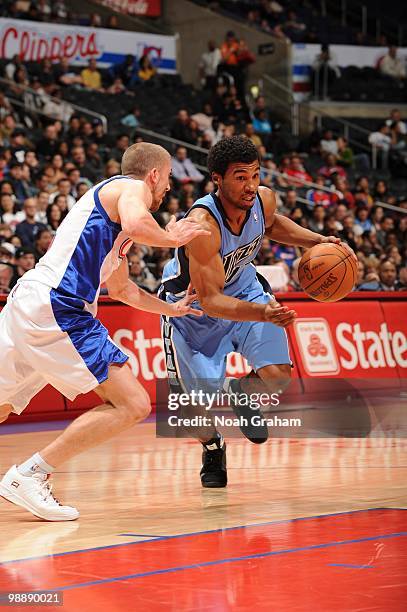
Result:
[[260, 543]]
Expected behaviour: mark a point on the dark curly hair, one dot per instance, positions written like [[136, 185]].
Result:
[[232, 150]]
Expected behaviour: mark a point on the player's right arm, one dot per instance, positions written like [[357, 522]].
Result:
[[139, 224], [208, 279]]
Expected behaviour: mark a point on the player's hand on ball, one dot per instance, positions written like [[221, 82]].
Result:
[[333, 239], [183, 307], [184, 231], [344, 245], [279, 315]]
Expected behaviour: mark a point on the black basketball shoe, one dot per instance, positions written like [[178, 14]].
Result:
[[213, 472], [257, 433]]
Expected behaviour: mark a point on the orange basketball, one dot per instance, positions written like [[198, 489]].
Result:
[[327, 272]]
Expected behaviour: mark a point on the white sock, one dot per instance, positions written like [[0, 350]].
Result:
[[35, 465]]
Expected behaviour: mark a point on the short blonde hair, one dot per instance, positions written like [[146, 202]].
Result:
[[141, 158]]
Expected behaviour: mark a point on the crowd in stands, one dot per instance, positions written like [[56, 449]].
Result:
[[383, 82], [299, 21], [44, 172], [54, 11]]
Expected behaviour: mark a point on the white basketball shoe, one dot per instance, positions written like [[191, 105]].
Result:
[[34, 493]]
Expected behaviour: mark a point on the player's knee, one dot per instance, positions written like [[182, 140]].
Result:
[[137, 409]]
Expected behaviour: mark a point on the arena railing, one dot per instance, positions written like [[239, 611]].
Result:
[[296, 108], [30, 109], [162, 138]]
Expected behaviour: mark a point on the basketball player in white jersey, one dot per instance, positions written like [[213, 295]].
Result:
[[49, 333]]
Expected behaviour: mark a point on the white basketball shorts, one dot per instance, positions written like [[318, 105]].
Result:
[[47, 337]]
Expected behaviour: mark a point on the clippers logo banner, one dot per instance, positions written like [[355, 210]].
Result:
[[34, 41]]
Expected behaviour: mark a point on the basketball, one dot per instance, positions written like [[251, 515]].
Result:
[[327, 272]]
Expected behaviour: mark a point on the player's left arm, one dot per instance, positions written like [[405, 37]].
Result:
[[121, 288], [285, 231]]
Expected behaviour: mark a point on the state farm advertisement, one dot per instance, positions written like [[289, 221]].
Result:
[[351, 339]]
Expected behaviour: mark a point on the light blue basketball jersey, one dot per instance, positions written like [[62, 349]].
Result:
[[237, 250]]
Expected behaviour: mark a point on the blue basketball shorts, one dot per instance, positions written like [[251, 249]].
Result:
[[197, 347]]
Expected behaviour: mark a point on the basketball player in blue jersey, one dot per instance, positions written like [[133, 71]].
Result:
[[239, 315], [49, 333]]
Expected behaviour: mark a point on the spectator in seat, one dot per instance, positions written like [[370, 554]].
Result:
[[82, 164], [24, 261], [54, 217], [361, 275], [386, 226], [294, 283], [208, 66], [7, 127], [387, 278], [127, 71], [140, 274], [288, 202], [317, 196], [63, 188], [122, 143], [146, 69], [183, 169], [251, 135], [181, 127], [391, 65], [326, 71], [331, 167], [401, 284], [362, 191], [28, 229], [21, 188], [64, 75], [91, 77], [244, 58], [49, 144], [12, 66], [112, 22], [377, 215], [317, 221], [204, 120], [95, 21], [8, 211], [362, 222], [132, 119], [229, 51], [6, 276], [112, 167], [395, 117], [7, 252], [46, 75], [296, 172], [83, 186], [329, 144], [293, 27], [261, 124], [42, 243]]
